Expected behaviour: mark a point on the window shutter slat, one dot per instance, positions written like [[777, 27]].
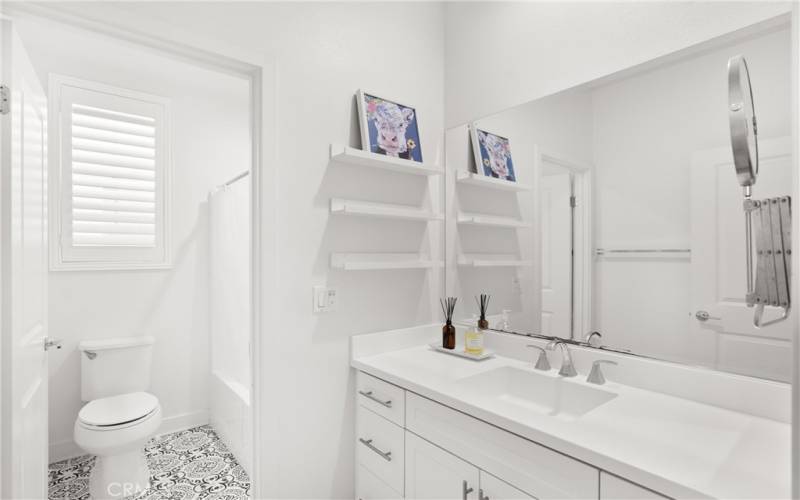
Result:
[[118, 116], [113, 182], [95, 146], [116, 172], [112, 160], [113, 205], [82, 214], [112, 125], [99, 134], [88, 239], [97, 227]]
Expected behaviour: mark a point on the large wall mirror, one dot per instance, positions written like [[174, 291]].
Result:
[[624, 215]]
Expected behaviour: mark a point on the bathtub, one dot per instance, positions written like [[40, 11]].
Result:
[[231, 417]]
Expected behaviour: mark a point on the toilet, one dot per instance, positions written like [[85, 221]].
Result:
[[119, 416]]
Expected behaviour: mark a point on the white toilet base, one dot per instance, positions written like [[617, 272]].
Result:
[[120, 469], [119, 476]]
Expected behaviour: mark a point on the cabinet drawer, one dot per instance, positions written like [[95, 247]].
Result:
[[383, 398], [380, 448], [371, 487], [536, 470], [614, 488]]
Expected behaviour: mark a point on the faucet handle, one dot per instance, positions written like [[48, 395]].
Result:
[[542, 363], [596, 375]]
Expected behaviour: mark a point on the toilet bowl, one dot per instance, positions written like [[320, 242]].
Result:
[[115, 429]]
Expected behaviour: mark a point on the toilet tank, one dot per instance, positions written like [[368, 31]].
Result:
[[115, 366]]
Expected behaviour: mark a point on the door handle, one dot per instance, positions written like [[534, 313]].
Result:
[[50, 343], [481, 496], [704, 316], [465, 490]]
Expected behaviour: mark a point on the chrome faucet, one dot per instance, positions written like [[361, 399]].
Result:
[[567, 367], [596, 375], [541, 363]]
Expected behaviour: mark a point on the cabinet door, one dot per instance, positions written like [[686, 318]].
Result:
[[432, 472], [614, 488], [493, 488]]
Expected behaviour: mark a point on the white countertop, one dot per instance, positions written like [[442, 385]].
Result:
[[678, 447]]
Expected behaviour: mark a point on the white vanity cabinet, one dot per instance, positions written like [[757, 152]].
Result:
[[428, 450]]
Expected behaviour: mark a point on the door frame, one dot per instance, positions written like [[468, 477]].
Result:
[[259, 70], [581, 275]]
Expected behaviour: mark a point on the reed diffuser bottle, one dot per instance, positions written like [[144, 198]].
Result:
[[448, 330], [473, 340]]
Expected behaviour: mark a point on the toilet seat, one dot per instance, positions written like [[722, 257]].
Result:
[[116, 412]]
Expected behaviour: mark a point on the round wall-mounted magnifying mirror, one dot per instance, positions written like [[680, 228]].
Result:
[[743, 122]]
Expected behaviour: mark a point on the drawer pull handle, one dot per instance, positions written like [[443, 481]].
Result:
[[465, 490], [369, 395], [387, 455]]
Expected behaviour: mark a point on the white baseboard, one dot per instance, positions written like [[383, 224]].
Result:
[[63, 450], [183, 421]]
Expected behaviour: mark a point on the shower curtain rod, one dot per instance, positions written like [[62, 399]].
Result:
[[240, 176]]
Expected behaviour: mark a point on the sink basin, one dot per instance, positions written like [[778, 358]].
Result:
[[538, 392]]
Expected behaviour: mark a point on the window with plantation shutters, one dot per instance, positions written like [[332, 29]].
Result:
[[112, 158]]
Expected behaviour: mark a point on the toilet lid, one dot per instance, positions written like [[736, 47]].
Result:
[[116, 410]]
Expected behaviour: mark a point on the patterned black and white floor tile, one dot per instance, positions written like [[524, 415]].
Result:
[[185, 465]]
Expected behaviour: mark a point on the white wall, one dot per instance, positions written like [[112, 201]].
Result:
[[323, 53], [501, 54], [210, 145]]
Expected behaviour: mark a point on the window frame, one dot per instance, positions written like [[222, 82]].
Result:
[[63, 255]]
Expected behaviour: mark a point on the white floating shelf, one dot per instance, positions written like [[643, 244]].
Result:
[[381, 261], [382, 210], [471, 178], [353, 156], [491, 220], [492, 260]]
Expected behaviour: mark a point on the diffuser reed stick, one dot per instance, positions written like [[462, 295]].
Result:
[[483, 306]]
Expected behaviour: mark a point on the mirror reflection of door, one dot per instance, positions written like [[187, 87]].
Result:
[[725, 337], [556, 190]]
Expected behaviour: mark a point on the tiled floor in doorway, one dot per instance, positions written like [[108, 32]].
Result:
[[185, 465]]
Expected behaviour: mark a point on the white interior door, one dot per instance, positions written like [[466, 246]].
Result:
[[728, 340], [556, 228], [23, 184]]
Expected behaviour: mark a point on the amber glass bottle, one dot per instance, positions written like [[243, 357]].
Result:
[[449, 336]]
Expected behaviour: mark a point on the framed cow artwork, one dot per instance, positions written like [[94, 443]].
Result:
[[388, 127], [492, 155]]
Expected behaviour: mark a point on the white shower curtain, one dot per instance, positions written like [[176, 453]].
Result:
[[229, 283]]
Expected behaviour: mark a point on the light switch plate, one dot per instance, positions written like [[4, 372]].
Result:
[[325, 299]]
